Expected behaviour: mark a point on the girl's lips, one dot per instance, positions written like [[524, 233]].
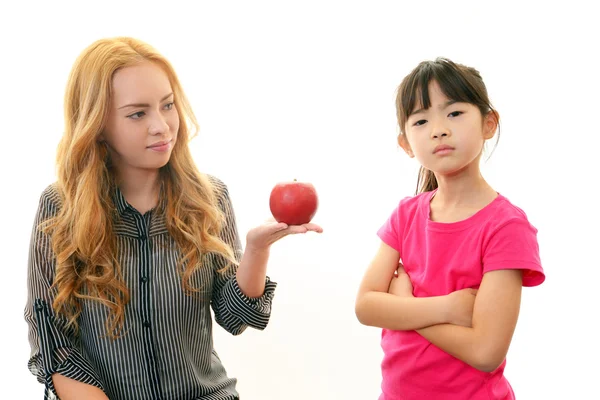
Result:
[[443, 149]]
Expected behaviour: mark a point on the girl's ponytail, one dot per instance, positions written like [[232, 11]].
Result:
[[426, 181]]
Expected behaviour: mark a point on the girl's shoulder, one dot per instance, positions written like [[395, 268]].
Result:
[[410, 205]]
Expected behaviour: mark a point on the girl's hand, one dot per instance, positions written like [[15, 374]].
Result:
[[401, 284], [460, 307]]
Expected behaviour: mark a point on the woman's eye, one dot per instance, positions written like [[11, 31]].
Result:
[[136, 115]]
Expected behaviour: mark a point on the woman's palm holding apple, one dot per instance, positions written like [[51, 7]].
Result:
[[263, 236]]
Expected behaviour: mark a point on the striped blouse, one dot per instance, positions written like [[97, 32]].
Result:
[[167, 349]]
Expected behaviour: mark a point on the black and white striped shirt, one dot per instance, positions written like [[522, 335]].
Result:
[[167, 350]]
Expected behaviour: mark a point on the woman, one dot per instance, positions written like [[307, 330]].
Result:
[[132, 245]]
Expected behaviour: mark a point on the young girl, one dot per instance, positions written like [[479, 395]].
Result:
[[445, 285], [132, 245]]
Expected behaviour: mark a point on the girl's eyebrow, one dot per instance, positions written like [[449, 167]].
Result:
[[442, 106]]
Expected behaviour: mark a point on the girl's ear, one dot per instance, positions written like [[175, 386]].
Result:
[[490, 124], [403, 142]]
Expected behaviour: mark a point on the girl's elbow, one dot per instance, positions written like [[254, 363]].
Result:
[[489, 366], [360, 310], [490, 360]]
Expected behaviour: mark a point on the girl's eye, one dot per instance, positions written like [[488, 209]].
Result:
[[420, 122], [169, 106], [455, 114]]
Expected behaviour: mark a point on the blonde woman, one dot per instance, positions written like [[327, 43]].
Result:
[[132, 245]]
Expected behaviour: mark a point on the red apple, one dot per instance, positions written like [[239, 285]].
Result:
[[294, 203]]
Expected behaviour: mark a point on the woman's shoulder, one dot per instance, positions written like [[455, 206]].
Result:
[[52, 195], [219, 189], [50, 202], [217, 184]]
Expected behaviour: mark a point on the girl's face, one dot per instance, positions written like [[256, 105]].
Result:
[[143, 122], [448, 136]]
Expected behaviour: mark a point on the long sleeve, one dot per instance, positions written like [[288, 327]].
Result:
[[53, 347], [235, 311]]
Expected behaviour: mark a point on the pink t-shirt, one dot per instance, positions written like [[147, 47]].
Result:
[[441, 258]]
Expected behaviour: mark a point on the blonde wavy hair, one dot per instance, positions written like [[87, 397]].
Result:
[[82, 232]]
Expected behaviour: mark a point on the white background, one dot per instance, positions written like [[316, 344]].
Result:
[[305, 90]]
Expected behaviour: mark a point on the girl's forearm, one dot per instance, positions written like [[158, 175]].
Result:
[[388, 311]]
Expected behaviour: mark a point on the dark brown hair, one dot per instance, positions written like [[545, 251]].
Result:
[[458, 82]]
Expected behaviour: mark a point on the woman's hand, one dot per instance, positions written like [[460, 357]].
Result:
[[263, 236]]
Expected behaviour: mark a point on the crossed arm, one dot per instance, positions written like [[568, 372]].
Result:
[[475, 329]]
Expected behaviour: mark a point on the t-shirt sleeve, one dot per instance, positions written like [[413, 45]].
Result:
[[391, 231], [514, 245]]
